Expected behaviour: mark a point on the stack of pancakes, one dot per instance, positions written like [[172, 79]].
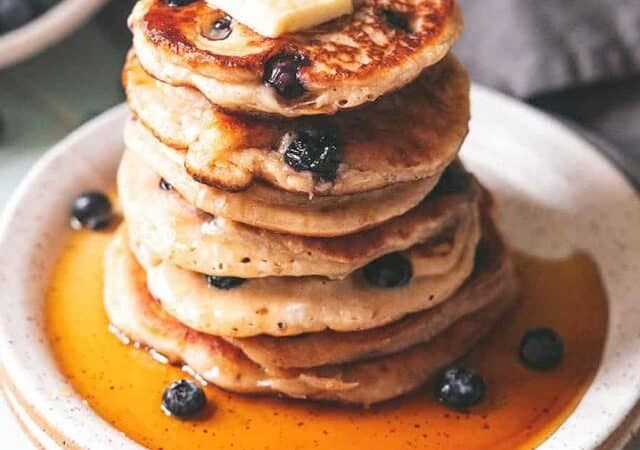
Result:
[[296, 219]]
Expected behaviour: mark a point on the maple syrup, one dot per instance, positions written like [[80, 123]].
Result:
[[522, 408]]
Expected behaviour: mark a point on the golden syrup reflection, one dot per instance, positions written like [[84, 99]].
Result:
[[522, 408]]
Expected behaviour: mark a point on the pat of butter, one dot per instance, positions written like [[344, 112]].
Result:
[[275, 17]]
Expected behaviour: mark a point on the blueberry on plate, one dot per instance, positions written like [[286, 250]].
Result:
[[91, 210], [224, 283], [541, 349], [389, 271], [14, 13], [183, 399], [281, 73], [460, 387], [313, 149]]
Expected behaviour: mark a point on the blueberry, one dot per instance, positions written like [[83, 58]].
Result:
[[225, 283], [177, 3], [313, 149], [164, 185], [396, 19], [281, 73], [460, 387], [183, 399], [220, 29], [91, 210], [14, 13], [541, 349], [389, 271]]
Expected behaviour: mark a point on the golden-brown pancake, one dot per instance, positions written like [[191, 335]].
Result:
[[493, 276], [140, 318], [265, 207], [181, 234], [344, 63], [411, 134], [288, 306]]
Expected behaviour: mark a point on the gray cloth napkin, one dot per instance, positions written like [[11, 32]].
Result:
[[530, 47], [579, 59]]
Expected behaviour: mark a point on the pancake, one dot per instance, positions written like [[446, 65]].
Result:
[[287, 306], [493, 277], [265, 207], [191, 239], [344, 63], [138, 317], [408, 135]]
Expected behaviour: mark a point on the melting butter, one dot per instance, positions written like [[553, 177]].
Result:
[[273, 18]]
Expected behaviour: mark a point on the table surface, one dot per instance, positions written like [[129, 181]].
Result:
[[44, 99]]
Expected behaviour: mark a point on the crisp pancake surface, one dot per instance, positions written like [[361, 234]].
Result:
[[408, 135], [177, 232], [348, 61], [287, 306], [139, 317], [265, 207]]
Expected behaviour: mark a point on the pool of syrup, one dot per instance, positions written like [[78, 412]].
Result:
[[522, 408]]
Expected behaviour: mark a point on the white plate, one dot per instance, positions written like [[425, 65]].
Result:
[[45, 30], [557, 194]]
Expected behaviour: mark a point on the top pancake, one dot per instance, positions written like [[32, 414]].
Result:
[[354, 59]]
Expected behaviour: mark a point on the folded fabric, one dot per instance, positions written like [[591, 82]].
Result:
[[527, 48]]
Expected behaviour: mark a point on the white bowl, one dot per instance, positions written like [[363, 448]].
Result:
[[45, 30], [544, 176]]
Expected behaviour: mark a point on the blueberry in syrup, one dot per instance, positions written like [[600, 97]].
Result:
[[164, 185], [224, 283], [220, 29], [389, 271], [460, 387], [183, 399], [313, 149], [281, 73], [15, 13], [176, 3], [541, 349], [91, 210], [396, 19]]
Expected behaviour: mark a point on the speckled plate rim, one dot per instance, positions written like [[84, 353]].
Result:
[[584, 196], [45, 30]]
